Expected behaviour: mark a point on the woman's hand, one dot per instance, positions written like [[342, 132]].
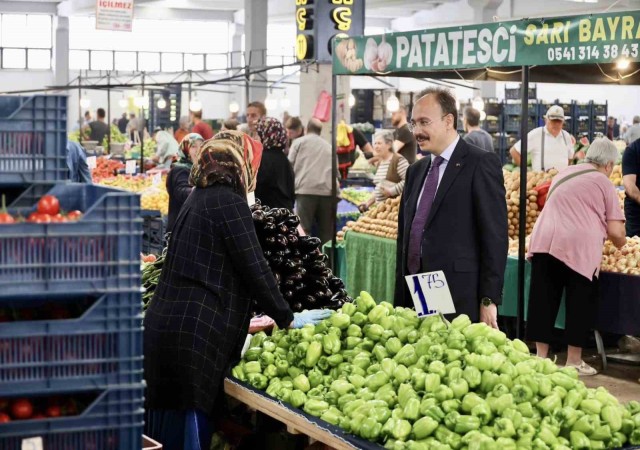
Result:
[[387, 192], [363, 207]]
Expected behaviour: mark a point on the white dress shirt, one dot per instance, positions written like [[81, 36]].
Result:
[[446, 155]]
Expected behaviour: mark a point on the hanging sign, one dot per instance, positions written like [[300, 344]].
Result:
[[114, 15], [590, 39], [92, 162], [130, 166], [430, 293], [318, 21]]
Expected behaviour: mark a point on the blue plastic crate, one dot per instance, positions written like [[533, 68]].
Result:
[[103, 346], [33, 139], [113, 421], [100, 252]]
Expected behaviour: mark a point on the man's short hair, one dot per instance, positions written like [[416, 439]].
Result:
[[446, 100], [472, 116], [101, 113], [314, 126], [260, 106], [636, 119], [197, 114]]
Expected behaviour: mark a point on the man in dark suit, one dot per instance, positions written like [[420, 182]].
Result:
[[453, 213]]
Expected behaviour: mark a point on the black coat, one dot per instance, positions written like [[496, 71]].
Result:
[[178, 189], [275, 186], [466, 234], [199, 316]]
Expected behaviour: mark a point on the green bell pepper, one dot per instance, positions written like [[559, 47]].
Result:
[[549, 404], [376, 381], [297, 398], [431, 382], [464, 424], [503, 427], [612, 416], [387, 393], [499, 390], [370, 429], [238, 373], [499, 404], [488, 382], [252, 367], [270, 371], [579, 441], [436, 413], [401, 430], [448, 437], [443, 393], [460, 388], [393, 346], [591, 406], [349, 309], [301, 382], [418, 379], [315, 407], [411, 410], [373, 331], [406, 356], [401, 374], [330, 344], [380, 413], [405, 392], [282, 366], [340, 320], [257, 380], [562, 379], [586, 424], [521, 393], [342, 387], [451, 405], [482, 411], [332, 416], [601, 433], [424, 427], [460, 322], [359, 319]]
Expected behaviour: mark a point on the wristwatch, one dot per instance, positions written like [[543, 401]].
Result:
[[486, 301]]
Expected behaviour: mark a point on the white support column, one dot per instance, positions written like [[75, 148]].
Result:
[[61, 51], [484, 11], [256, 13]]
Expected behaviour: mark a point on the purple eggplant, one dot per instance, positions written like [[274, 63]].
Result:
[[293, 239], [335, 283], [258, 216], [296, 307]]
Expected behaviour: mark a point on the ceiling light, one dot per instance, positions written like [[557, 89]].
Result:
[[162, 103], [84, 101], [234, 107], [393, 104], [483, 115], [623, 64], [478, 103], [270, 102], [123, 102], [195, 105], [352, 100]]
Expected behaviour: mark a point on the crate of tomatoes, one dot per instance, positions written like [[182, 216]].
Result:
[[70, 238], [106, 419], [55, 343]]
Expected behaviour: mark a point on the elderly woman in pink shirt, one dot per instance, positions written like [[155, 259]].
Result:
[[581, 211]]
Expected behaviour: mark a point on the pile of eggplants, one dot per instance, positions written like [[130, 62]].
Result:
[[297, 262]]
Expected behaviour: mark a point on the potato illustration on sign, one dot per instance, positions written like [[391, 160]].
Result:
[[348, 55], [377, 57]]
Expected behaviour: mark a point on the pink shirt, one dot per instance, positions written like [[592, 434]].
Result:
[[573, 224]]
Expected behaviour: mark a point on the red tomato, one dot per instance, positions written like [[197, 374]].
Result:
[[38, 416], [58, 218], [49, 204], [74, 215], [21, 409], [54, 411], [6, 218], [4, 418]]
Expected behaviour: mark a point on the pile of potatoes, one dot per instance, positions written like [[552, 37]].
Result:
[[381, 221], [616, 175], [624, 260], [512, 187]]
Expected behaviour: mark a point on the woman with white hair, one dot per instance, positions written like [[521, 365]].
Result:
[[581, 211], [391, 172]]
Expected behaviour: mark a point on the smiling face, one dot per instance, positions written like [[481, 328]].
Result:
[[381, 148], [253, 115], [433, 129]]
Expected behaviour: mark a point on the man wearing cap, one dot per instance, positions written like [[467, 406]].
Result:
[[550, 146]]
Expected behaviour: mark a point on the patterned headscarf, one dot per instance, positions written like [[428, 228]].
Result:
[[183, 158], [272, 133], [231, 158]]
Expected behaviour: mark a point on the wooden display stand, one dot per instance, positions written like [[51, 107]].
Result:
[[296, 424]]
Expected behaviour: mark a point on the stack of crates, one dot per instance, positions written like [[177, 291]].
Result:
[[71, 323], [154, 229]]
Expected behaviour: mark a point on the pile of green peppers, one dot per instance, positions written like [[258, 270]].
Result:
[[386, 375]]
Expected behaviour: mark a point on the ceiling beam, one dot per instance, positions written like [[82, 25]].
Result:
[[28, 7]]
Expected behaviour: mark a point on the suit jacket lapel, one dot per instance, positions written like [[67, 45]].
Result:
[[452, 170], [415, 191]]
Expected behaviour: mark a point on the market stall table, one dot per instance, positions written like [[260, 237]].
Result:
[[296, 420]]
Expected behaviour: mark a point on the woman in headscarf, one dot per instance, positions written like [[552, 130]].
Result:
[[276, 182], [198, 319], [178, 186]]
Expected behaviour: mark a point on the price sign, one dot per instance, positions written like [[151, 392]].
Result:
[[251, 198], [130, 166], [34, 443], [92, 162], [157, 178], [430, 293]]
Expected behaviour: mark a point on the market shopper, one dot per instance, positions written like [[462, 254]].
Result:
[[391, 172], [198, 319], [405, 142], [199, 126], [166, 148], [310, 157], [295, 129], [613, 129], [581, 211], [453, 216], [229, 125], [255, 112], [549, 146], [633, 133], [275, 186], [98, 129], [178, 186], [122, 123], [474, 134], [631, 180], [181, 132]]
